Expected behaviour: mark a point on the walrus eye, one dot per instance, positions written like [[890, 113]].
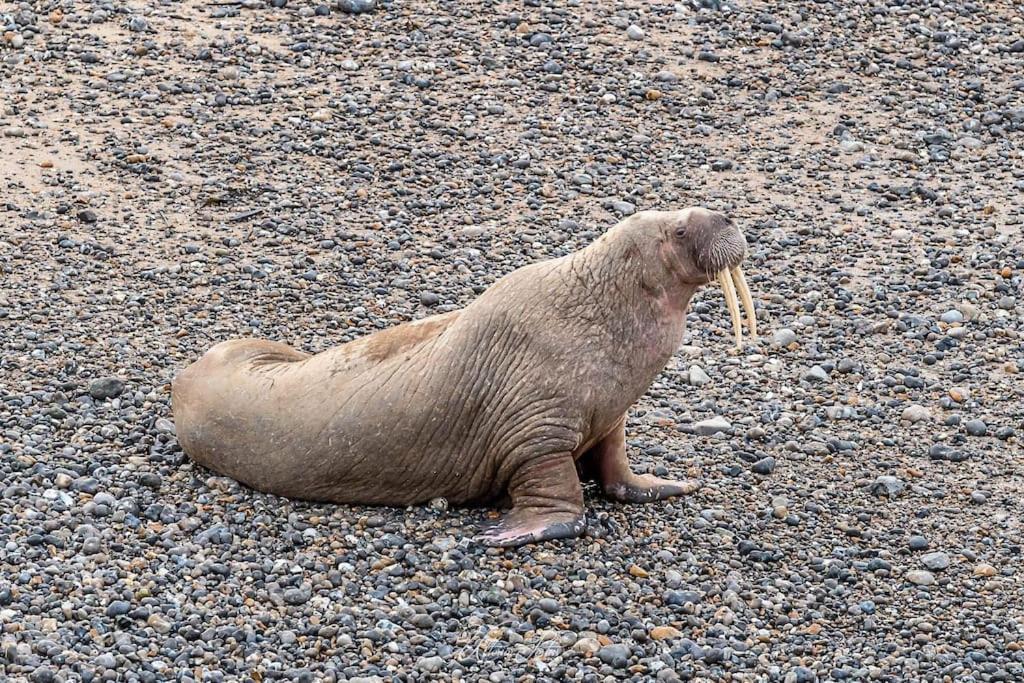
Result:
[[681, 231]]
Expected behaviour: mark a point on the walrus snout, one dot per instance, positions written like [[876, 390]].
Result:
[[718, 242], [718, 250]]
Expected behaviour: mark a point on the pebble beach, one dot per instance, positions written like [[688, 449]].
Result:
[[177, 173]]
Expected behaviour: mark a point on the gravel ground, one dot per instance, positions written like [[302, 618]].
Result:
[[178, 173]]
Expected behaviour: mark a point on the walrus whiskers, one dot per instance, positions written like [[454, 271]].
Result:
[[734, 308], [748, 302]]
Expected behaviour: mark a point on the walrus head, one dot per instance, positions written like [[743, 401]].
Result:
[[694, 246]]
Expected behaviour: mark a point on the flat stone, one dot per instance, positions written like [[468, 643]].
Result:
[[887, 486], [920, 577], [697, 377], [915, 413], [713, 425], [935, 561]]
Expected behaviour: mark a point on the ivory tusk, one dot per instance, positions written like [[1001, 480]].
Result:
[[748, 301], [734, 308]]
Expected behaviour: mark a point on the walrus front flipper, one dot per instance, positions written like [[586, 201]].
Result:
[[520, 526], [621, 483], [547, 504]]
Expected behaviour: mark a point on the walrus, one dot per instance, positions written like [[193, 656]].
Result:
[[509, 398]]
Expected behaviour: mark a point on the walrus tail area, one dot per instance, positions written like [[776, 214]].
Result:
[[198, 394]]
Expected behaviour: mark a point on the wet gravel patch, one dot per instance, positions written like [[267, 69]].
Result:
[[173, 175]]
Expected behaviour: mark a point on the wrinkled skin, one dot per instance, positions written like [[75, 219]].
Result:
[[506, 399]]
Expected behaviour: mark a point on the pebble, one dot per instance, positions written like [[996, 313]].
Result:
[[935, 561], [920, 577], [976, 427], [887, 486], [697, 377], [665, 633], [918, 542], [357, 6], [634, 32], [430, 665], [816, 374], [764, 466], [915, 413], [712, 425], [118, 608], [783, 337], [106, 387], [616, 655]]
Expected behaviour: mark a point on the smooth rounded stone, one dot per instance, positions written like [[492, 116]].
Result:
[[801, 674], [979, 497], [118, 608], [976, 427], [429, 299], [587, 647], [764, 466], [106, 661], [915, 413], [665, 633], [548, 605], [783, 336], [357, 6], [87, 485], [952, 316], [105, 387], [677, 597], [92, 546], [936, 561], [430, 665], [697, 377], [941, 451], [634, 32], [151, 480], [918, 542], [920, 577], [158, 623], [816, 374], [902, 235], [623, 208], [297, 596], [615, 655], [850, 146], [984, 570], [422, 621], [164, 426], [712, 425], [887, 486]]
